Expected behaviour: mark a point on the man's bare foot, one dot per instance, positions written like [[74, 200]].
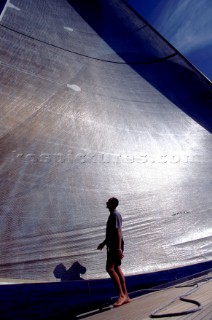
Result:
[[127, 300], [121, 300]]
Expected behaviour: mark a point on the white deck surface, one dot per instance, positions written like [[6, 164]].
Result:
[[169, 300]]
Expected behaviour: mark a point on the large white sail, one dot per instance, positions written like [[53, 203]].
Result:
[[95, 103]]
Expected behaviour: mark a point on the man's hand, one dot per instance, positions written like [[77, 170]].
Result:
[[101, 246], [120, 254]]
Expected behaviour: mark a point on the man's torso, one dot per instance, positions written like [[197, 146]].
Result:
[[114, 222]]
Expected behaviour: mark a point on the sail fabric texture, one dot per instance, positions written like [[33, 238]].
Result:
[[94, 104]]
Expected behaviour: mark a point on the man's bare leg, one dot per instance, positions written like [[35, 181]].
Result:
[[117, 276], [122, 282]]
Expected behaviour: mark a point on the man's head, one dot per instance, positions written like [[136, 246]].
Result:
[[112, 203]]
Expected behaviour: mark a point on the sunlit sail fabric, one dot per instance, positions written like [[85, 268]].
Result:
[[95, 103]]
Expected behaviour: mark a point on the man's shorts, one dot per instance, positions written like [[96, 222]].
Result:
[[112, 255]]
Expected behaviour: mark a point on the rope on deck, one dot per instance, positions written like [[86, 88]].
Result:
[[195, 286]]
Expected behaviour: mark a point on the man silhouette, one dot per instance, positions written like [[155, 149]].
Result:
[[115, 246]]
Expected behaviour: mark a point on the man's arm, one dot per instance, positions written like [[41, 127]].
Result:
[[119, 240]]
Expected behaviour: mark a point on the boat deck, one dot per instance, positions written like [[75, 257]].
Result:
[[166, 304]]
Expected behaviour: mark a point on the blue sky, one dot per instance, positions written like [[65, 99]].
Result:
[[186, 24]]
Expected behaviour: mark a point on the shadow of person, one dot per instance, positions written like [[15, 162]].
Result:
[[73, 273]]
